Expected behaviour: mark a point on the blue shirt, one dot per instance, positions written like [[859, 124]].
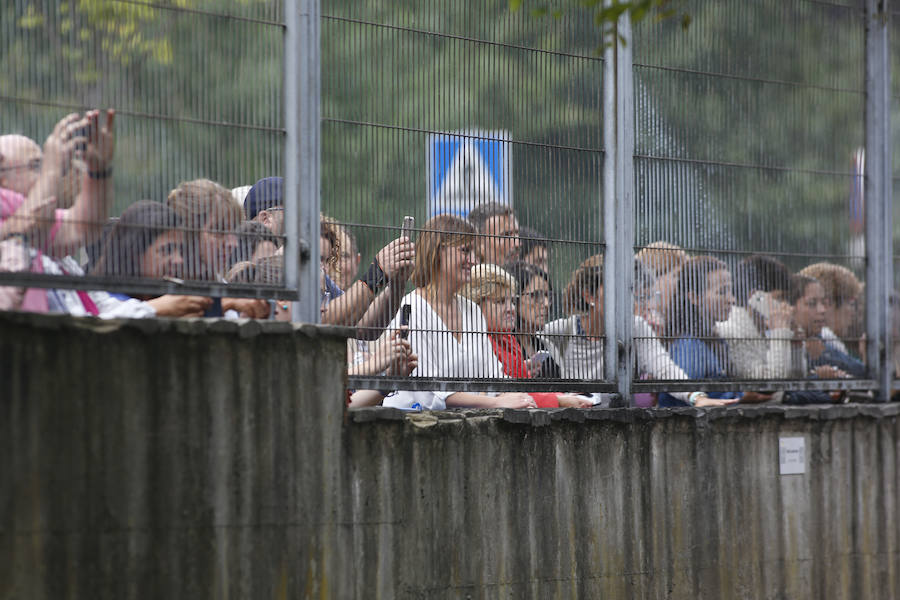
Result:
[[698, 361], [832, 356]]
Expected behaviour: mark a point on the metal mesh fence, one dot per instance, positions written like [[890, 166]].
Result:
[[484, 171], [444, 111], [749, 135], [196, 88]]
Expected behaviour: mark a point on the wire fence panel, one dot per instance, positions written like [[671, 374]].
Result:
[[137, 197], [480, 174], [749, 243], [484, 125]]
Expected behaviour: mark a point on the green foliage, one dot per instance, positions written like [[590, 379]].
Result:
[[769, 99], [606, 14], [109, 29]]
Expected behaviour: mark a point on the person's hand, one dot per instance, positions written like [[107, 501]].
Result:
[[574, 401], [533, 367], [535, 363], [61, 144], [397, 259], [173, 305], [829, 372], [514, 400], [59, 149], [400, 353], [251, 308], [409, 365], [101, 141], [781, 314], [815, 347], [707, 402], [393, 354], [755, 397]]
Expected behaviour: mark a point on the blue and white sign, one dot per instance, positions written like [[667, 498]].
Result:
[[466, 169]]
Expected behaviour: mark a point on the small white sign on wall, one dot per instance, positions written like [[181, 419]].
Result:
[[792, 455]]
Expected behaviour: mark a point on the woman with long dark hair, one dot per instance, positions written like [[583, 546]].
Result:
[[147, 242], [532, 314], [702, 296]]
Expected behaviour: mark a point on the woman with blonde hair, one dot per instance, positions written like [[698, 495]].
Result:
[[446, 330], [494, 291], [211, 217]]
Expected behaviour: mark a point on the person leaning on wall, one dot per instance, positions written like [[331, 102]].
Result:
[[148, 242], [843, 296], [758, 329], [447, 332], [211, 218], [702, 296]]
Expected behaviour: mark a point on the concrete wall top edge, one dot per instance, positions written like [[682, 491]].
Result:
[[242, 328], [544, 417]]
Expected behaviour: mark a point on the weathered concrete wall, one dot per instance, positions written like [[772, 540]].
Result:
[[206, 459], [167, 459], [624, 504]]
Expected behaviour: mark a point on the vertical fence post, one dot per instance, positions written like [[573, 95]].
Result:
[[618, 208], [302, 154], [878, 200]]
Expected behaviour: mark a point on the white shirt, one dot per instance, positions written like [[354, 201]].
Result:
[[580, 357], [442, 355], [752, 354]]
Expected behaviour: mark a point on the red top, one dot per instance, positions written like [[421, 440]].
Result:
[[511, 357], [510, 354]]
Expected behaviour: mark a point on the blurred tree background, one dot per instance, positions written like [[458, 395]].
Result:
[[746, 120]]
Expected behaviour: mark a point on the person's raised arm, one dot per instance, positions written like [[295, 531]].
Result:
[[36, 216], [349, 308], [396, 260], [83, 222]]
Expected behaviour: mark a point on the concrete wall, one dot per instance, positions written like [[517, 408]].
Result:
[[167, 459], [206, 459]]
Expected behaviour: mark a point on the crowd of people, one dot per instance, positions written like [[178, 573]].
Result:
[[481, 297]]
